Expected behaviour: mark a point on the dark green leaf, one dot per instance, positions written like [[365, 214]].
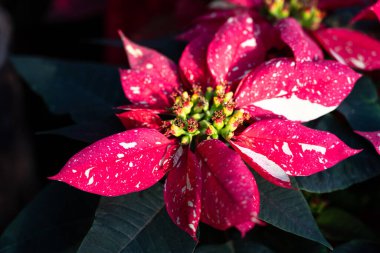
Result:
[[362, 107], [339, 225], [289, 211], [89, 131], [86, 91], [355, 169], [250, 247], [358, 246], [55, 221], [234, 247], [136, 223]]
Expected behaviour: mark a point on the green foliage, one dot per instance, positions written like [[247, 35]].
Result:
[[136, 223]]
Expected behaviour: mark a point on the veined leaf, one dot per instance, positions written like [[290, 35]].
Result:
[[289, 211], [86, 91], [135, 223], [55, 221]]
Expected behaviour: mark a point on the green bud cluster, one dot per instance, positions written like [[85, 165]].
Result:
[[305, 11], [207, 115]]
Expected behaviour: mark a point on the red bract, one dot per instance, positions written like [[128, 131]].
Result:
[[334, 4], [278, 148], [373, 137], [235, 49], [122, 163], [369, 13], [230, 195], [207, 180], [300, 92], [246, 3], [350, 47], [303, 47], [140, 118]]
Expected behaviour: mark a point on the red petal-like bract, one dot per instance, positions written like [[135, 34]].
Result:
[[146, 107], [246, 3], [182, 191], [235, 49], [277, 146], [140, 118], [229, 193], [373, 137], [153, 76], [299, 92], [334, 4], [150, 61], [353, 48], [148, 89], [303, 47], [369, 13], [193, 62], [126, 162]]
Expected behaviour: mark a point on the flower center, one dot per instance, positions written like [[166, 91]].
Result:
[[204, 115], [305, 11]]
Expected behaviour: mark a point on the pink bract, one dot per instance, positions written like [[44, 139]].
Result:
[[373, 137], [303, 47], [278, 148], [300, 92], [353, 48], [119, 164], [371, 12]]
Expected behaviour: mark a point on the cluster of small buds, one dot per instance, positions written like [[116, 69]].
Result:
[[209, 114], [305, 11]]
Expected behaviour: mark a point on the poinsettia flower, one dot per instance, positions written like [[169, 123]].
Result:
[[204, 147], [373, 137]]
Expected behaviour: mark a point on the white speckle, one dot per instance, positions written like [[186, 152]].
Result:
[[116, 175], [149, 65], [310, 147], [120, 155], [281, 93], [91, 181], [87, 172], [128, 145], [74, 171], [138, 185], [268, 165], [249, 43], [191, 226], [177, 221], [278, 64], [158, 143], [286, 149], [358, 63], [177, 156], [131, 164], [293, 64], [229, 47], [294, 108], [135, 89], [249, 20], [190, 204], [188, 185], [235, 68], [338, 57], [135, 52]]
